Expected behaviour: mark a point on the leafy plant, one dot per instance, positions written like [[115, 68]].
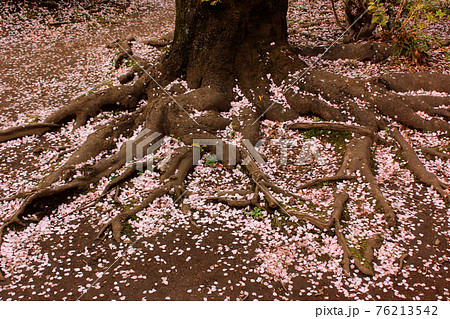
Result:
[[255, 213], [404, 22], [130, 63], [233, 130], [379, 15], [211, 161]]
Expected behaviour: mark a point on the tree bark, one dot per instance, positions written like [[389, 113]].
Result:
[[358, 20], [210, 39]]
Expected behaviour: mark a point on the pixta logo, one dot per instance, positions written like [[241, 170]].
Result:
[[310, 151], [144, 144], [148, 142]]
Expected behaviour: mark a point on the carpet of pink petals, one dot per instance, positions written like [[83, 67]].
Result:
[[44, 67]]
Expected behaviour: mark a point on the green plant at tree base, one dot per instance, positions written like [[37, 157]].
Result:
[[404, 22], [211, 161], [255, 213], [130, 63]]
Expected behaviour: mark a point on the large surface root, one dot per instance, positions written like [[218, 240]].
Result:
[[44, 200], [103, 139], [172, 183], [404, 82], [47, 196], [417, 167], [365, 51], [119, 98], [355, 159], [380, 95], [21, 131], [397, 108]]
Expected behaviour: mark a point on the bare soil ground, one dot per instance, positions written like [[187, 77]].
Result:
[[215, 253]]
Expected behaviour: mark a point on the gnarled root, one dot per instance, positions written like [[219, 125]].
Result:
[[377, 95], [45, 198], [21, 131], [37, 199], [353, 161], [163, 41], [431, 151], [404, 82], [355, 158], [417, 167], [124, 48], [83, 108], [102, 139], [129, 173], [172, 180]]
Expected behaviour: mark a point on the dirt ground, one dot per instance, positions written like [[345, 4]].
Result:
[[217, 253]]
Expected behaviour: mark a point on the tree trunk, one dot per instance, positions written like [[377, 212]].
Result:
[[358, 20], [211, 39]]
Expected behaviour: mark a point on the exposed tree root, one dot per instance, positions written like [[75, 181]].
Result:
[[377, 94], [161, 41], [115, 98], [431, 151], [334, 220], [102, 139], [340, 199], [404, 82], [222, 197], [304, 105], [129, 173], [172, 180], [19, 195], [33, 198], [83, 108], [45, 198], [401, 261], [280, 190], [364, 152], [334, 178], [31, 129], [234, 203], [396, 108], [354, 160], [429, 105], [364, 157], [417, 167], [365, 51]]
